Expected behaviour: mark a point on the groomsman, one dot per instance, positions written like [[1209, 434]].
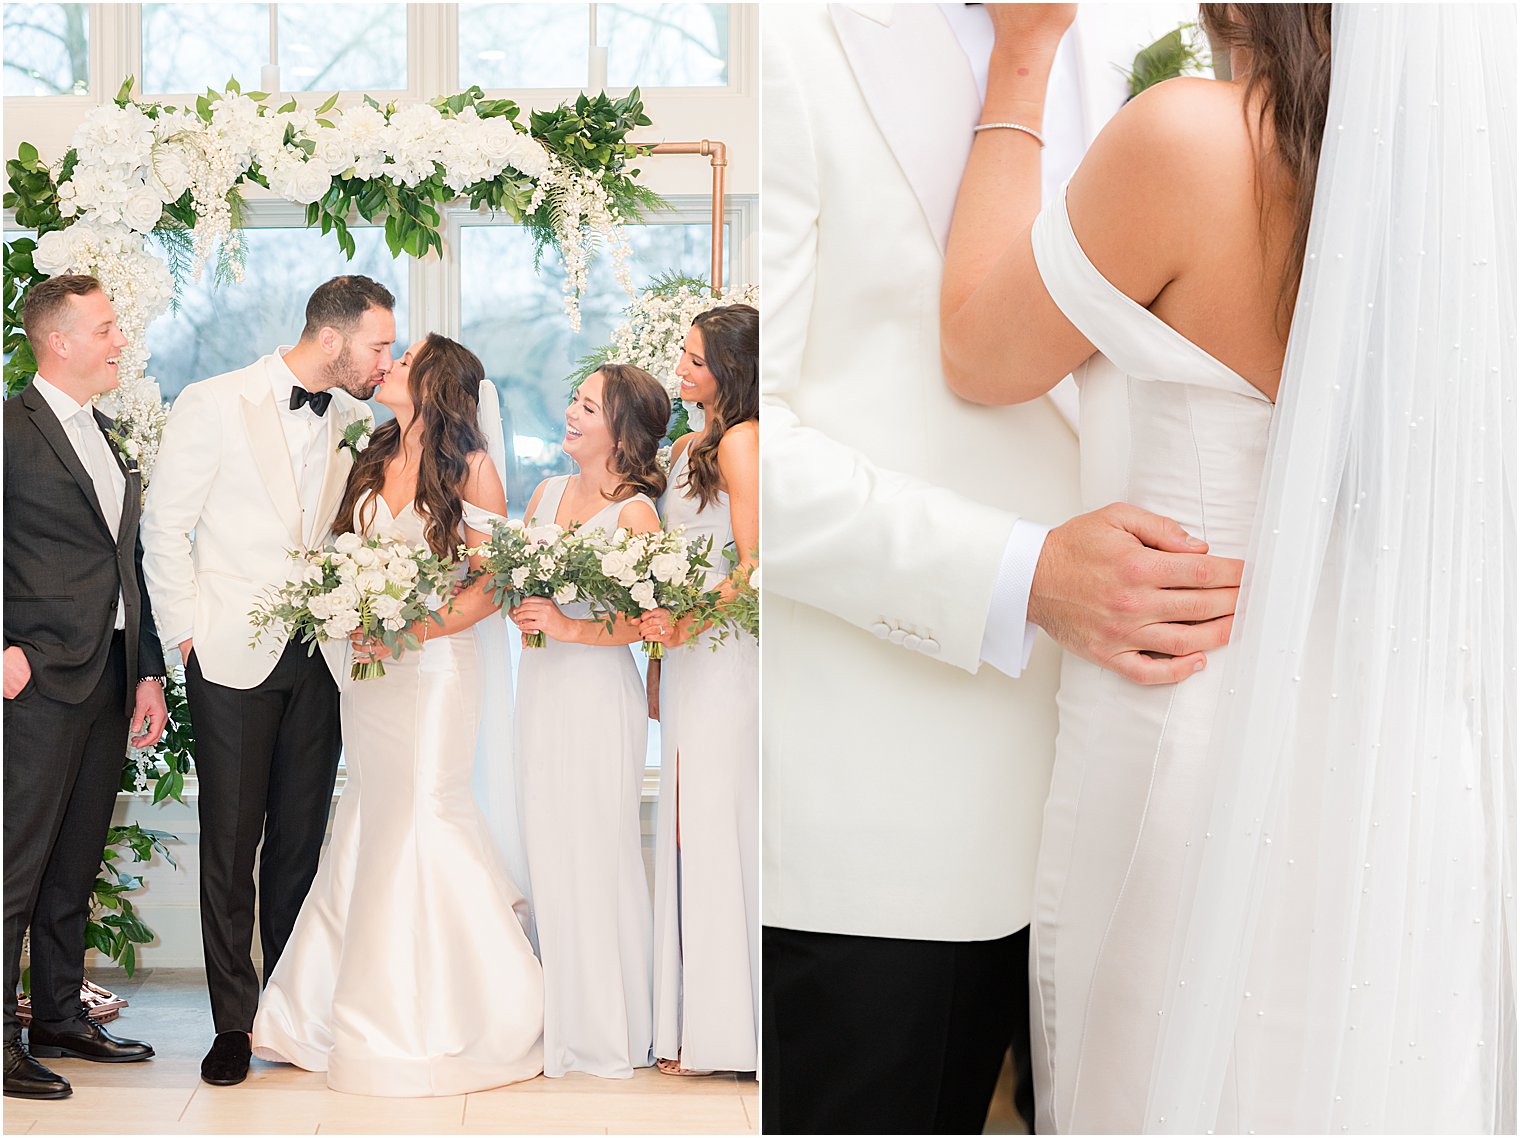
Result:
[[251, 466], [83, 669]]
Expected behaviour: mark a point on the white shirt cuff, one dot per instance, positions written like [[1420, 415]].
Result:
[[1009, 636]]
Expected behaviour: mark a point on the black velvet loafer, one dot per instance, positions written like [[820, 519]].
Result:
[[226, 1064]]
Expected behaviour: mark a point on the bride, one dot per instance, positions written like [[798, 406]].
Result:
[[414, 920], [1277, 896]]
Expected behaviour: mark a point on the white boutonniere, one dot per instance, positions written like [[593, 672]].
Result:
[[356, 437], [129, 448]]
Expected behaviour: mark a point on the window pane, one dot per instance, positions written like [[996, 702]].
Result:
[[47, 49], [523, 45], [338, 47], [223, 327], [665, 45], [189, 47], [512, 318]]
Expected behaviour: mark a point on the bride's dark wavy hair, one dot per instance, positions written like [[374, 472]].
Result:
[[1289, 46], [731, 350], [445, 386]]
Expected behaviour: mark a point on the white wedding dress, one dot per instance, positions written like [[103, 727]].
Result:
[[707, 888], [1168, 428], [409, 972], [582, 731]]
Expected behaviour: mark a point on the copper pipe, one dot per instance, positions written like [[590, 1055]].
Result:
[[718, 152]]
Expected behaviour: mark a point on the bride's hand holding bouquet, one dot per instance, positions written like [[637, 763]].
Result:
[[371, 590]]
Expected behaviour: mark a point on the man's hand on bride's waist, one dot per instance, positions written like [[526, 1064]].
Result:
[[1134, 593]]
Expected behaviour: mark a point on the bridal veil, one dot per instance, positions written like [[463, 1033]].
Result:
[[1348, 958]]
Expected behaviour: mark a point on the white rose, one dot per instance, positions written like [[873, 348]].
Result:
[[338, 628], [386, 607], [565, 594], [371, 581], [320, 606], [364, 557], [519, 576], [393, 623], [345, 596], [626, 577], [306, 182], [515, 524], [348, 542], [170, 171], [643, 592], [347, 570], [402, 572], [143, 208], [335, 151], [362, 443], [669, 567], [754, 578]]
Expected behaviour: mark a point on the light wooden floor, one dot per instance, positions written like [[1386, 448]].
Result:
[[164, 1095]]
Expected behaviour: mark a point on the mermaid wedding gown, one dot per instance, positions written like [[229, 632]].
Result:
[[409, 972]]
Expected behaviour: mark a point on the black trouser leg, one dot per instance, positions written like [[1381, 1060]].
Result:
[[242, 738], [62, 771], [1023, 1051], [305, 767], [875, 1035]]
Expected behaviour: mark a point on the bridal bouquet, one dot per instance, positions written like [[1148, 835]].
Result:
[[537, 559], [742, 611], [660, 569], [377, 586]]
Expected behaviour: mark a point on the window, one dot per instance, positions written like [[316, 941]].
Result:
[[319, 47], [222, 328], [548, 45], [47, 49], [511, 316]]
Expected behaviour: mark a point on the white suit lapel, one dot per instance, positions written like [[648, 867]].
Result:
[[335, 478], [267, 441], [914, 76]]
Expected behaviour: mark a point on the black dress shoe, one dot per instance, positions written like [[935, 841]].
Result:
[[226, 1064], [27, 1078], [83, 1038]]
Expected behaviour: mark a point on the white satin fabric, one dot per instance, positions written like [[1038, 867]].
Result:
[[707, 842], [581, 739], [408, 972], [1168, 428]]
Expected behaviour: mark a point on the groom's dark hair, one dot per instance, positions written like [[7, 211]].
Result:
[[342, 302]]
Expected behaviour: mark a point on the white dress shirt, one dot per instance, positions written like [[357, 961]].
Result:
[[1009, 637], [305, 438], [95, 455]]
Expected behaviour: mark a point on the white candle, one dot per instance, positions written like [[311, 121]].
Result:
[[597, 68], [269, 77]]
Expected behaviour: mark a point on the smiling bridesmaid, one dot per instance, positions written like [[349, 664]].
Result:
[[707, 844]]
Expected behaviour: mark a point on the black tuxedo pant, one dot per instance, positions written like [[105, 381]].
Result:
[[63, 766], [872, 1035], [266, 759]]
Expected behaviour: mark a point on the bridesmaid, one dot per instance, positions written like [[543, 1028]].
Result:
[[707, 964], [581, 739]]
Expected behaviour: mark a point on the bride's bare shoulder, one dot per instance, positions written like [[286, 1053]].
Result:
[[1177, 155]]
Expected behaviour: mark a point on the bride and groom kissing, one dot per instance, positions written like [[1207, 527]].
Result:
[[1245, 836]]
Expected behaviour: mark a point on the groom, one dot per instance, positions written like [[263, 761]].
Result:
[[902, 796], [250, 467]]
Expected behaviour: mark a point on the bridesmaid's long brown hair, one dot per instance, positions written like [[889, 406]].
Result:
[[731, 350], [638, 411], [1289, 45], [445, 386]]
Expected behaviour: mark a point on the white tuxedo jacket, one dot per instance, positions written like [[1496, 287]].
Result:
[[222, 513], [902, 797]]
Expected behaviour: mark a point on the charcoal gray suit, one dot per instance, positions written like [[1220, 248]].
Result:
[[66, 730]]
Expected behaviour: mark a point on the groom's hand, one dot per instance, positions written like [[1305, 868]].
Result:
[[1132, 592]]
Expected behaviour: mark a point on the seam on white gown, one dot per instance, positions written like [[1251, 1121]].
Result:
[[1118, 900]]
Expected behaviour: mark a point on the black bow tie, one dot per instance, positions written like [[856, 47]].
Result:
[[300, 397]]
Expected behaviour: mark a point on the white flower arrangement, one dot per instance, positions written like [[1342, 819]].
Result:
[[135, 168], [377, 586]]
